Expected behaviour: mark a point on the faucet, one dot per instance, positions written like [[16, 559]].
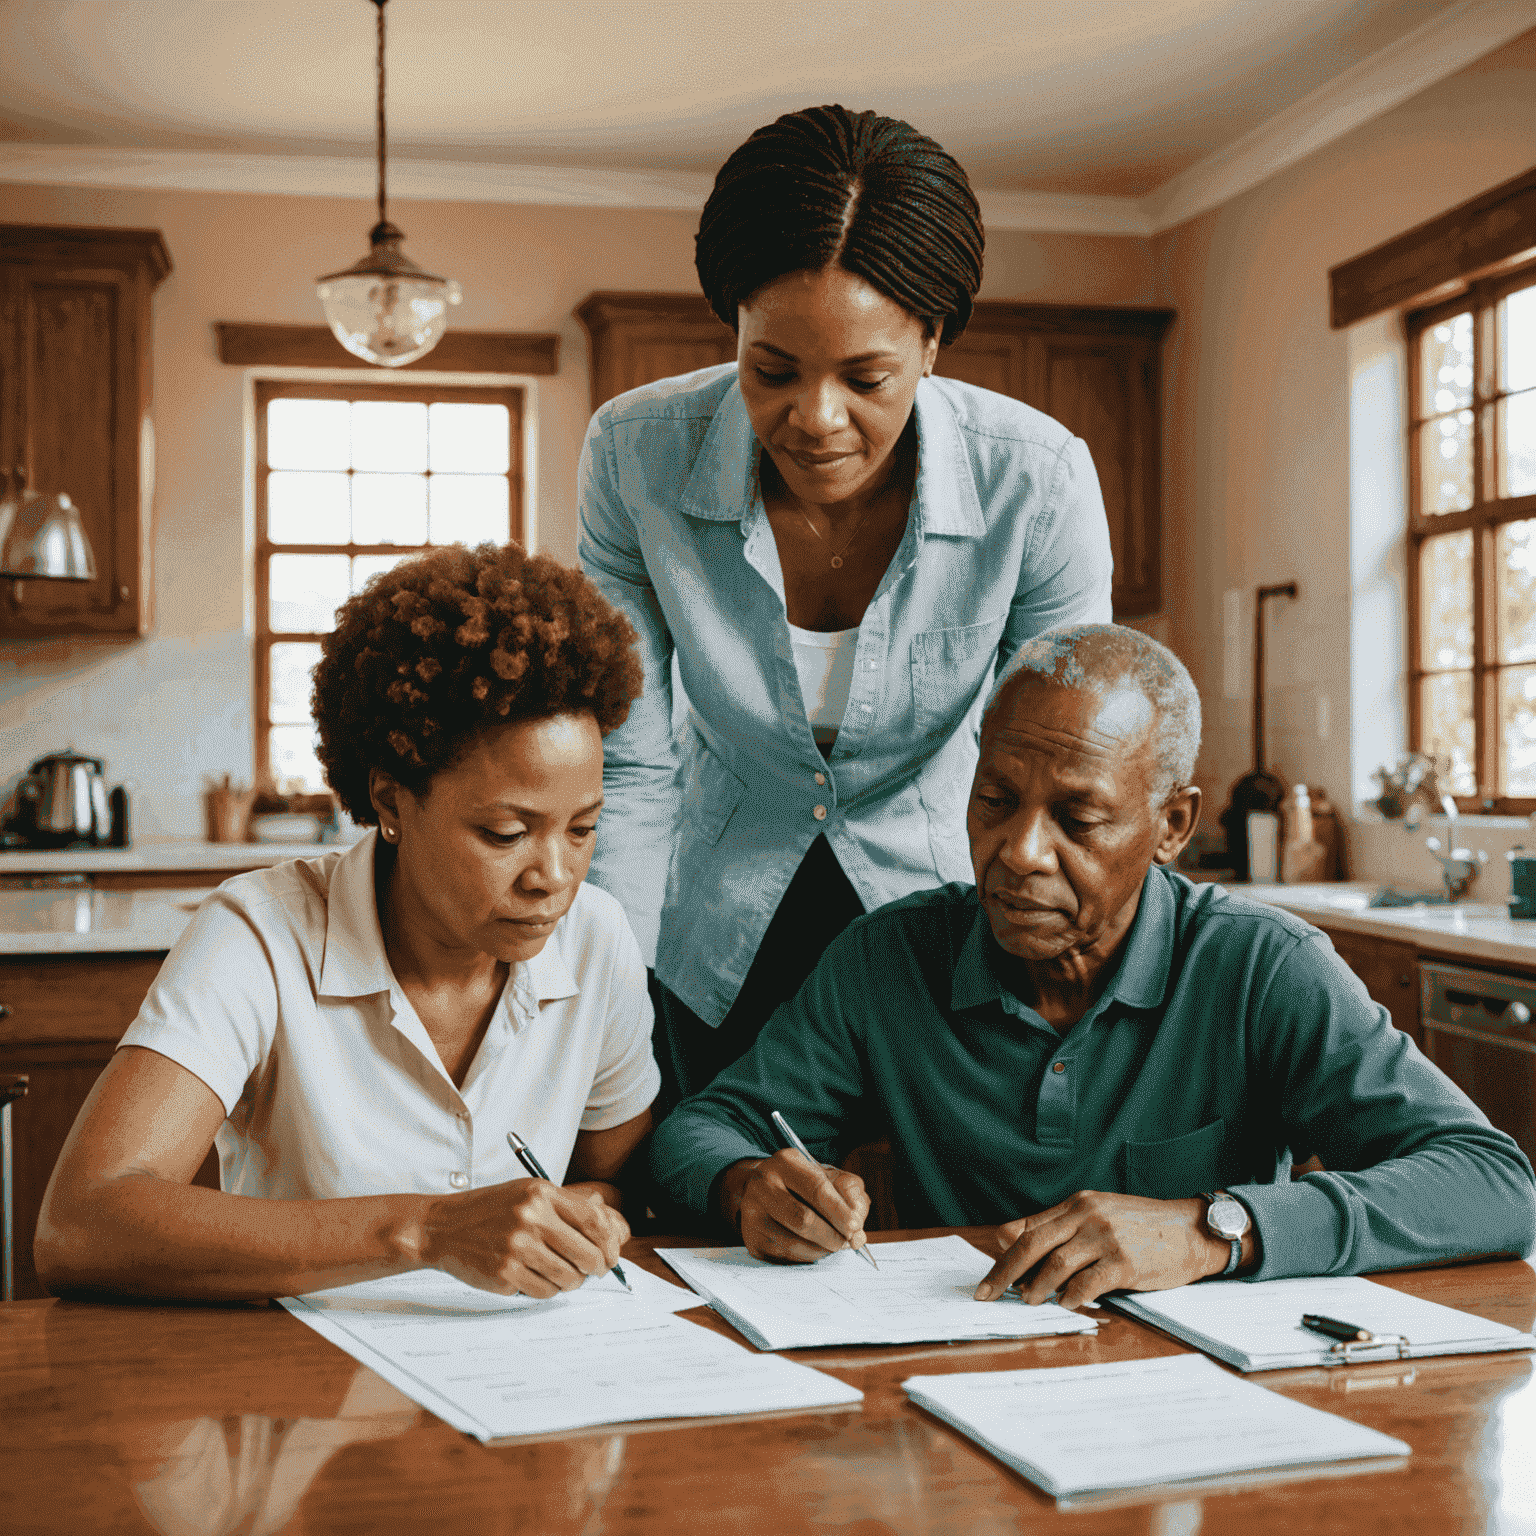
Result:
[[1459, 866]]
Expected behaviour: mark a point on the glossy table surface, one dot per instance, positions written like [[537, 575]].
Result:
[[211, 1421]]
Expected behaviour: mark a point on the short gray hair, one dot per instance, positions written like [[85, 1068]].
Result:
[[1084, 654]]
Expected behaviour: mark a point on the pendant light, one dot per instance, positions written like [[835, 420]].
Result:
[[42, 537], [384, 308]]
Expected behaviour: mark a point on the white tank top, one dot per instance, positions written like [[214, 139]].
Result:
[[825, 665]]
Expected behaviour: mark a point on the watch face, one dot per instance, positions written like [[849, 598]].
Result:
[[1227, 1218]]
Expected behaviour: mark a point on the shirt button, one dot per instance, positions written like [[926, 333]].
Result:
[[458, 1180], [820, 813], [821, 778], [866, 708], [1060, 1066]]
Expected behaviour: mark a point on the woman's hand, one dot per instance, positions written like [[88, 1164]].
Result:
[[794, 1211], [528, 1236]]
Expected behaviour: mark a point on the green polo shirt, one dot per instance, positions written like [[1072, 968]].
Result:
[[1230, 1038]]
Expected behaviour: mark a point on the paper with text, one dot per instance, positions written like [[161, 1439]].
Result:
[[924, 1291], [1086, 1428], [1256, 1325]]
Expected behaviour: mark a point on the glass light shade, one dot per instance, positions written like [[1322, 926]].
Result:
[[43, 537], [385, 309]]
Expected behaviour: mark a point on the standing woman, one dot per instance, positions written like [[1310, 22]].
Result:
[[836, 550]]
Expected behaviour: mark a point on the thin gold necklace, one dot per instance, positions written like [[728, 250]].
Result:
[[837, 554]]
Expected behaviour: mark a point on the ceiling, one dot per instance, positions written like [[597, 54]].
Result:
[[1107, 99]]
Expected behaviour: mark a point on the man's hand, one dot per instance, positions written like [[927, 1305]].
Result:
[[526, 1236], [1094, 1243], [791, 1210]]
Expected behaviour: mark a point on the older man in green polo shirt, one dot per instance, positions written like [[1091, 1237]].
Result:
[[1108, 1061]]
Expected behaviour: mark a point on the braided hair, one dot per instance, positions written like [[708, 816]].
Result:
[[826, 187]]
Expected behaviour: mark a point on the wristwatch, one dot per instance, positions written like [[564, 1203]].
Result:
[[1227, 1219]]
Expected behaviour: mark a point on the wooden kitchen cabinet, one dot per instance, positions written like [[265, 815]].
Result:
[[75, 392], [63, 1016], [1390, 972], [1096, 370]]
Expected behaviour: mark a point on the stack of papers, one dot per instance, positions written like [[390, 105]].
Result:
[[1089, 1428], [923, 1292], [1256, 1325], [503, 1366]]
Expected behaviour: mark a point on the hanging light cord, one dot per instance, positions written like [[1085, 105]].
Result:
[[381, 4]]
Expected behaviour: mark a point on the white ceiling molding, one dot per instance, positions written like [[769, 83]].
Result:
[[1444, 44], [1441, 46]]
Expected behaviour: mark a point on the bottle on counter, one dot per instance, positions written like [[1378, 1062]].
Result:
[[1302, 857]]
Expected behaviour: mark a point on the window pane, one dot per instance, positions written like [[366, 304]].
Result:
[[306, 508], [468, 509], [364, 566], [470, 438], [1445, 464], [292, 756], [1517, 724], [1445, 601], [1517, 337], [1445, 366], [1446, 733], [289, 682], [389, 434], [389, 509], [1515, 564], [305, 592], [307, 434], [1517, 445]]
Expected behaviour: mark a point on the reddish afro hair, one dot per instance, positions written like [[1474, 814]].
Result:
[[446, 646]]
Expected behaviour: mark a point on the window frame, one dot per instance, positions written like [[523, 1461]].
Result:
[[512, 396], [1484, 517]]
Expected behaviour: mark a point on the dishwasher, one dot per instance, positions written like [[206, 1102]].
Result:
[[1480, 1030]]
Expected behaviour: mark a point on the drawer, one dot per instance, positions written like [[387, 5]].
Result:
[[61, 998]]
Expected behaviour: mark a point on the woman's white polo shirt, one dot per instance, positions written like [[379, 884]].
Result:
[[280, 997]]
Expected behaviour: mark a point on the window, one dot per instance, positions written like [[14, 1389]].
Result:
[[1472, 536], [349, 480]]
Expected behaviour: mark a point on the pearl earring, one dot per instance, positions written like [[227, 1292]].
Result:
[[390, 834]]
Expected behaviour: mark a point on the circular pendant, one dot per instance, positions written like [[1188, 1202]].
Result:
[[837, 562]]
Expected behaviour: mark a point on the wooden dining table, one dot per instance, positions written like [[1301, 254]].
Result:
[[231, 1420]]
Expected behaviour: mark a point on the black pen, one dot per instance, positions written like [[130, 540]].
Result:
[[787, 1131], [531, 1163], [1332, 1328]]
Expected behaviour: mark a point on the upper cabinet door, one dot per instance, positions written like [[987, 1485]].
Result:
[[637, 338], [75, 397]]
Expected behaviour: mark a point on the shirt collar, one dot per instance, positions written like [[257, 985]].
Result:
[[1140, 981], [723, 484], [354, 963]]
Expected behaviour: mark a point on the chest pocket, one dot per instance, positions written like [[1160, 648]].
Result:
[[711, 793], [949, 667], [1177, 1168]]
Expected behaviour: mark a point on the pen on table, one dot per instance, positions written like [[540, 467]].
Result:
[[531, 1163], [787, 1132], [1331, 1327]]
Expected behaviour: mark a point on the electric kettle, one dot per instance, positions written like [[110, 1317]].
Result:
[[63, 800]]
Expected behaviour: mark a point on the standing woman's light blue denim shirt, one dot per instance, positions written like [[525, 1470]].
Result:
[[702, 831]]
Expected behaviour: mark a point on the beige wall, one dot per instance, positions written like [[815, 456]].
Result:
[[1257, 404], [168, 710]]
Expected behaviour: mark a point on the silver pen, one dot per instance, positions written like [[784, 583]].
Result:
[[531, 1163], [787, 1132]]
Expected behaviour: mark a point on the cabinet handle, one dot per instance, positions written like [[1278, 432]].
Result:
[[1405, 981]]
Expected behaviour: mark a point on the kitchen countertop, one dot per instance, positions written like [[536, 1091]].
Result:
[[85, 921], [147, 857], [1469, 930]]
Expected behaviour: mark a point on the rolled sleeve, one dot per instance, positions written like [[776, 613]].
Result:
[[634, 840], [214, 1006], [1413, 1171]]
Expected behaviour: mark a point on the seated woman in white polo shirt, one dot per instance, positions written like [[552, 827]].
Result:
[[358, 1032]]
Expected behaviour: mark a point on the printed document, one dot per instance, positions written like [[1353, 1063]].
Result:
[[502, 1366], [924, 1291], [1089, 1428], [1256, 1325]]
